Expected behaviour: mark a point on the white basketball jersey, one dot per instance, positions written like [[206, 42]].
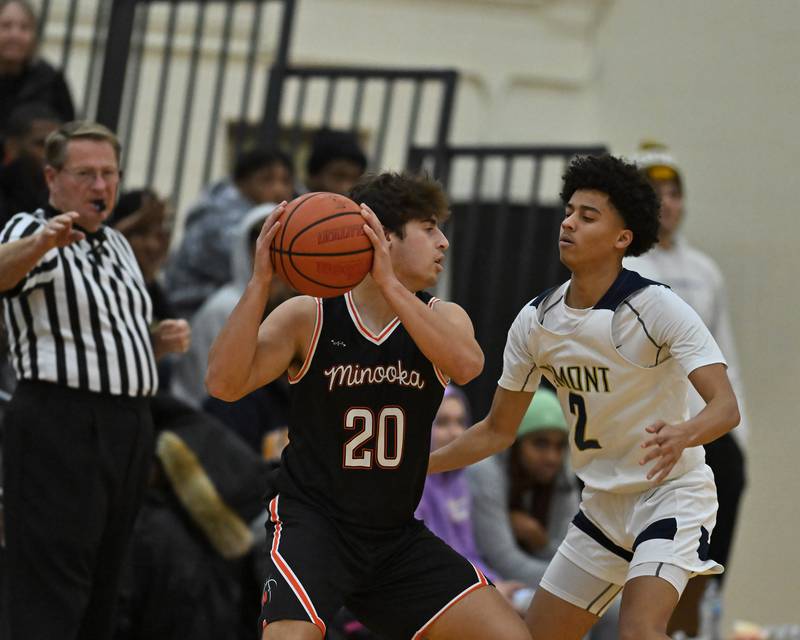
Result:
[[609, 398]]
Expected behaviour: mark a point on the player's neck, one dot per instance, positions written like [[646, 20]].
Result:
[[372, 306], [588, 285], [666, 241]]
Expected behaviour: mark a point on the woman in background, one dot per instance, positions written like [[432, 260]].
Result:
[[25, 78], [446, 503]]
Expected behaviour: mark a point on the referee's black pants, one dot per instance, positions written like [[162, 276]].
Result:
[[75, 468]]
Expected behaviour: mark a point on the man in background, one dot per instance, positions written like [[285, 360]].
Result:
[[202, 263], [697, 279], [22, 183], [336, 162]]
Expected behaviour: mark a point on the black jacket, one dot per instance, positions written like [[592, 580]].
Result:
[[39, 82]]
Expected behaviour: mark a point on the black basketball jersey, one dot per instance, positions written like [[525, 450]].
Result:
[[360, 421]]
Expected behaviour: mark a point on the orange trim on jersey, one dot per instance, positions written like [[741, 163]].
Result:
[[362, 328], [287, 572], [482, 582], [312, 347], [443, 379]]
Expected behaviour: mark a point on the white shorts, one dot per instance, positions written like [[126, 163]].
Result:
[[670, 523], [577, 586]]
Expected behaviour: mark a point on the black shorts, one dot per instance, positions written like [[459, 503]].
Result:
[[396, 584]]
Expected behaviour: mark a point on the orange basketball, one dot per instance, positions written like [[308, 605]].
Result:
[[321, 249]]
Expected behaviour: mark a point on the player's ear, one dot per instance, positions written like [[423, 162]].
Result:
[[624, 239]]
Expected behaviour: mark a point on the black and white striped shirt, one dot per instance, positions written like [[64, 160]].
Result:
[[81, 316]]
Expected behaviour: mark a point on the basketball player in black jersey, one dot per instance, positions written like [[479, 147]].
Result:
[[368, 371]]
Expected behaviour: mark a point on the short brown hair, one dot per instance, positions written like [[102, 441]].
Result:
[[397, 198], [26, 6], [55, 147]]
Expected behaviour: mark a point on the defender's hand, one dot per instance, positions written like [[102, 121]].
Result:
[[262, 263], [666, 446], [382, 271]]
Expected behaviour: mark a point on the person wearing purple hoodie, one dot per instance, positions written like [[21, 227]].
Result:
[[446, 502]]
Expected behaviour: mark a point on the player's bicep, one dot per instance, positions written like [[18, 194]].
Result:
[[711, 381], [457, 318], [283, 340]]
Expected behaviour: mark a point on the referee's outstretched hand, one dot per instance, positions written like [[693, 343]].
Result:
[[59, 232]]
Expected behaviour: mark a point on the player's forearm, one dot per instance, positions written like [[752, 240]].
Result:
[[719, 416], [449, 347], [476, 443], [231, 355], [17, 258]]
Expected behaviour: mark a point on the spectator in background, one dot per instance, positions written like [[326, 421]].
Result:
[[696, 278], [24, 78], [202, 263], [191, 571], [336, 162], [446, 503], [22, 183], [525, 497], [144, 219], [266, 409]]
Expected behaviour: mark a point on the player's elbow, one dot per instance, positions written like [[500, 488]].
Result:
[[219, 386], [467, 367], [735, 415]]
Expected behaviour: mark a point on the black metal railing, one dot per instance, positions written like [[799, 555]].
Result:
[[201, 77], [187, 83], [178, 80], [383, 106], [503, 231]]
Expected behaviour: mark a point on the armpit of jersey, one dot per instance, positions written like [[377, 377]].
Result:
[[520, 372]]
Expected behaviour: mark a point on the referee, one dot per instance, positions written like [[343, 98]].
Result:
[[78, 431]]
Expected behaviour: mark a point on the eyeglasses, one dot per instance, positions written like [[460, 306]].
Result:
[[87, 177]]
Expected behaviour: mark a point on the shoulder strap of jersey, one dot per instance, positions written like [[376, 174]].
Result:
[[542, 296], [626, 284]]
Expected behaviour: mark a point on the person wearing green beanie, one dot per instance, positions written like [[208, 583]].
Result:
[[524, 498]]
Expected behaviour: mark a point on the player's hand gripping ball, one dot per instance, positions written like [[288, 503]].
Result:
[[320, 248]]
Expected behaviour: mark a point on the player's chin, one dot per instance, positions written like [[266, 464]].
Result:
[[567, 256]]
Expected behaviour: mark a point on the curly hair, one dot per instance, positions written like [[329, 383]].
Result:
[[629, 192], [397, 198]]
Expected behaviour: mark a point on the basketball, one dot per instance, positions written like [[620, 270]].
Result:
[[321, 249]]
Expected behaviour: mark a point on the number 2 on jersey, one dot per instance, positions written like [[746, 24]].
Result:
[[577, 407], [357, 455]]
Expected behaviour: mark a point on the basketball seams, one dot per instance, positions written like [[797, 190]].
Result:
[[287, 218], [296, 267], [305, 254], [305, 229], [340, 289], [291, 254]]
